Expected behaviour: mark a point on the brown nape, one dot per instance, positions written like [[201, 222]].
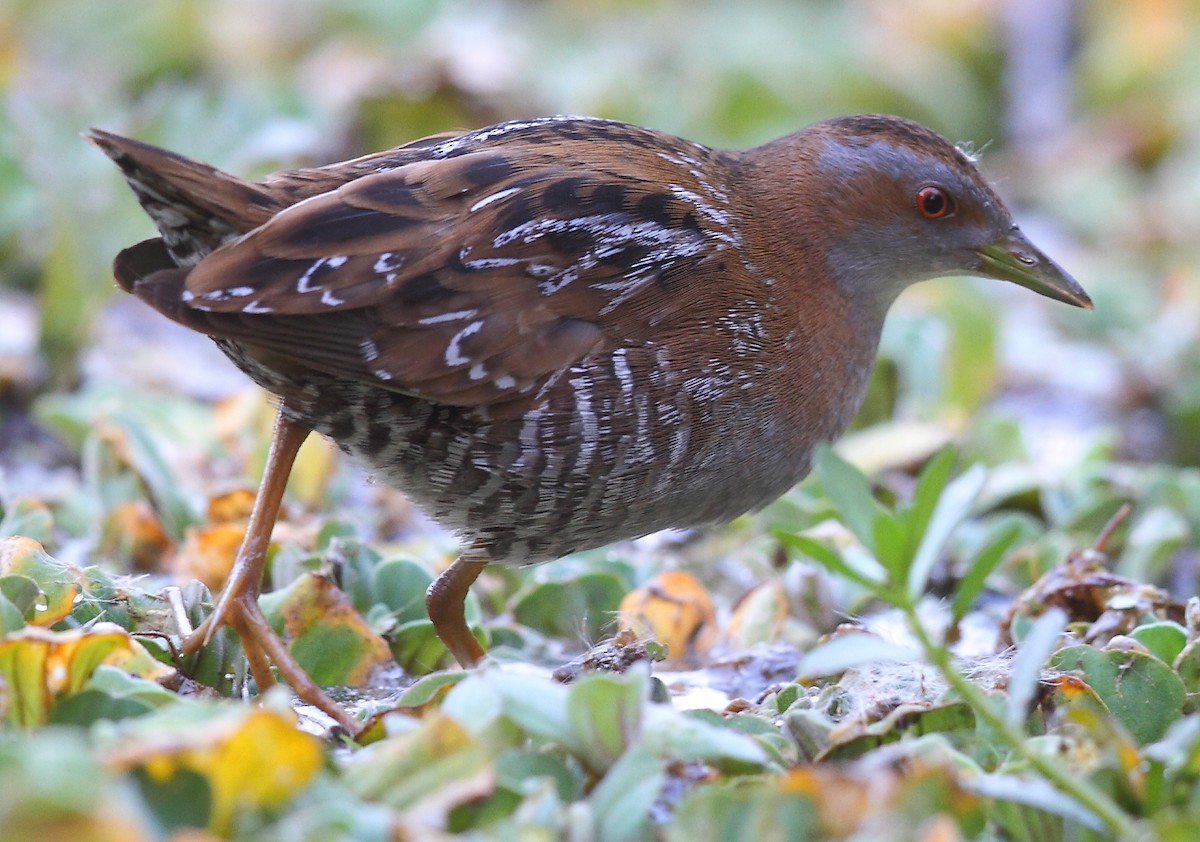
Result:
[[559, 332]]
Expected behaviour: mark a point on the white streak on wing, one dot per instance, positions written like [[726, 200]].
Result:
[[303, 285], [369, 349], [452, 316], [505, 381], [448, 147], [487, 262], [388, 262], [454, 355], [540, 270], [331, 300], [477, 371], [256, 309], [231, 292], [714, 214], [610, 234], [495, 197]]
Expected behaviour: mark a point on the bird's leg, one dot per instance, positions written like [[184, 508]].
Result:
[[444, 601], [238, 607]]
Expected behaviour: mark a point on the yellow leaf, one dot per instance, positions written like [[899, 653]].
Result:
[[58, 582], [252, 759], [39, 666], [262, 764], [676, 609]]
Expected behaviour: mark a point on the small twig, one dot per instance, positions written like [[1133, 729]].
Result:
[[174, 598], [1109, 528]]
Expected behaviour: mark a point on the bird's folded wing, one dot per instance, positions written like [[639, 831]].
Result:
[[465, 280]]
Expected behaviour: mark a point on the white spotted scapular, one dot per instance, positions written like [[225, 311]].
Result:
[[560, 332]]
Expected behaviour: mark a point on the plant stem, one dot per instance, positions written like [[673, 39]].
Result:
[[1077, 787]]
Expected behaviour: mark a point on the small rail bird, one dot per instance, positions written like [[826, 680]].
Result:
[[556, 333]]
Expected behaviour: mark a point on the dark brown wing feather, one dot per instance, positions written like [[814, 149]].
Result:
[[470, 276]]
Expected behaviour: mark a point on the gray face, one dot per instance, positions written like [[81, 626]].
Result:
[[901, 215]]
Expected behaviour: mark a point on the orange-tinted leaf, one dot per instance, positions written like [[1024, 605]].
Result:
[[230, 507], [208, 552], [59, 582], [676, 610], [40, 666], [134, 530], [326, 635]]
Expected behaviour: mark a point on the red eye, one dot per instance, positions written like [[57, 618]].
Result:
[[934, 202]]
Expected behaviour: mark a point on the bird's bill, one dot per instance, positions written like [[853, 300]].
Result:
[[1015, 259]]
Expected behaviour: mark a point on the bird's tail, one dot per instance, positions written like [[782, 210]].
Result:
[[196, 208]]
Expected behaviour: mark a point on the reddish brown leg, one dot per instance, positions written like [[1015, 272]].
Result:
[[238, 604], [445, 603]]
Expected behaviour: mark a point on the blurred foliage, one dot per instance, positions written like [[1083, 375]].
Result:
[[125, 482]]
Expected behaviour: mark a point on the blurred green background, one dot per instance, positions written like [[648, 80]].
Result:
[[1088, 115]]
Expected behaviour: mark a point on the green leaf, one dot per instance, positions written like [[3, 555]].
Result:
[[1164, 639], [401, 585], [1144, 694], [827, 558], [585, 604], [928, 491], [418, 765], [22, 593], [358, 563], [952, 507], [427, 688], [1187, 667], [908, 722], [534, 703], [605, 713], [29, 518], [419, 651], [11, 617], [776, 746], [676, 736], [1033, 792], [515, 769], [982, 566], [1026, 672], [760, 810], [89, 706], [851, 494], [622, 800], [891, 545], [57, 581]]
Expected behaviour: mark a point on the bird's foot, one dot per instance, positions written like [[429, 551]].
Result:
[[238, 608]]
